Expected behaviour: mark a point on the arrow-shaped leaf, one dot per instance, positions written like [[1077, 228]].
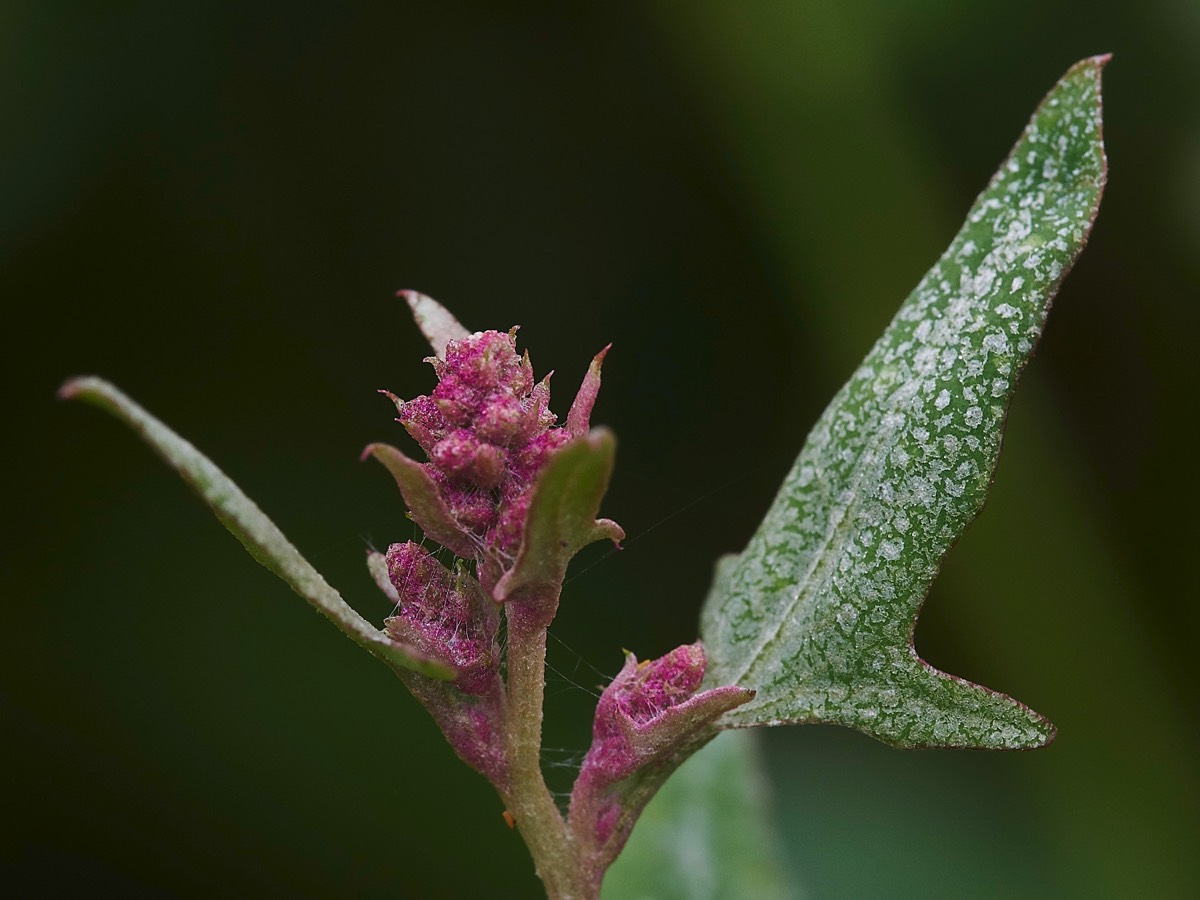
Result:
[[258, 534], [817, 614]]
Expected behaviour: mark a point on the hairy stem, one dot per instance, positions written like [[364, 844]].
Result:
[[542, 826]]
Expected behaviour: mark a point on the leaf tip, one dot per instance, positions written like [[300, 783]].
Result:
[[71, 388], [1094, 65], [435, 321], [607, 528], [1045, 732], [601, 438], [83, 387]]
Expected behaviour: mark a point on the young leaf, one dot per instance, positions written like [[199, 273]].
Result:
[[435, 321], [817, 614], [258, 534], [706, 833]]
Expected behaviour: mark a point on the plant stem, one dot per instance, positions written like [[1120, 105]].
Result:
[[551, 844]]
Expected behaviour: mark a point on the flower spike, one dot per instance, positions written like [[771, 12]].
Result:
[[499, 462]]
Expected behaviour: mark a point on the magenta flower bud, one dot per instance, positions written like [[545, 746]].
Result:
[[648, 720], [651, 708], [455, 453], [444, 615], [422, 418], [485, 362], [461, 454], [505, 421], [643, 691], [532, 457]]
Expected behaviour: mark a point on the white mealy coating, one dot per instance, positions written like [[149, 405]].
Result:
[[817, 613]]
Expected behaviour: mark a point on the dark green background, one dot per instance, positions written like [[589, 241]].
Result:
[[212, 204]]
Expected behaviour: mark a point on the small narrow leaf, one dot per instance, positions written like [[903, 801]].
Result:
[[706, 835], [580, 414], [817, 614], [258, 534], [378, 568], [562, 517], [435, 321], [423, 499]]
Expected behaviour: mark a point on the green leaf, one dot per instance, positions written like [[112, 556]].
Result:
[[562, 520], [706, 833], [817, 614], [258, 534]]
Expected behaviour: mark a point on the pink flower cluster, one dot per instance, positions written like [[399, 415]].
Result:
[[488, 431], [444, 615]]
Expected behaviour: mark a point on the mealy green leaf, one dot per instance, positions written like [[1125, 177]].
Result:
[[706, 833], [817, 614], [258, 534]]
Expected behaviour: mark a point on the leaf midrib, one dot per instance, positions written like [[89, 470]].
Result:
[[822, 558]]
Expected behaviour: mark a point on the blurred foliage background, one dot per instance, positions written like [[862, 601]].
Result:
[[213, 203]]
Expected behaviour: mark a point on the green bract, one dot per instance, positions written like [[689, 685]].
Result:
[[817, 614]]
